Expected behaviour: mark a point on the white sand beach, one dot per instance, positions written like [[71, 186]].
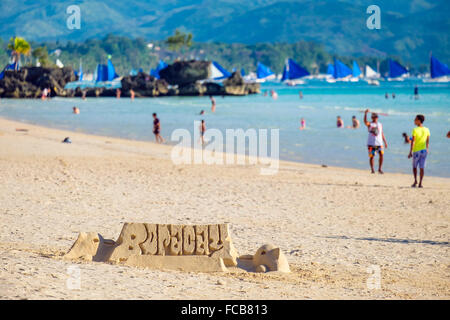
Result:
[[331, 223]]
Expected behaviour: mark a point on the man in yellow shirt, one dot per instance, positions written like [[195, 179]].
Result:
[[419, 148]]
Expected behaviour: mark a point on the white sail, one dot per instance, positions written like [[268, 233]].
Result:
[[59, 64], [370, 73], [215, 73]]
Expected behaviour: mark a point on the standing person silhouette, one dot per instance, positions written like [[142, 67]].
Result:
[[375, 140], [157, 129]]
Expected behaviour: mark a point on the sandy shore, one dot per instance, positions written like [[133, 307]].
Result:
[[332, 223]]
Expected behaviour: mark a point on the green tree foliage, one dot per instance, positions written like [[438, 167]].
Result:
[[128, 54], [41, 55], [18, 46], [179, 41]]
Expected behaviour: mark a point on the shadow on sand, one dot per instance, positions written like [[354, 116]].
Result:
[[393, 240]]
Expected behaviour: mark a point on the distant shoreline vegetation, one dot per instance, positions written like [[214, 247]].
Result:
[[135, 54]]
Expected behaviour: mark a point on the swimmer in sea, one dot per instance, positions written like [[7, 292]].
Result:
[[339, 122]]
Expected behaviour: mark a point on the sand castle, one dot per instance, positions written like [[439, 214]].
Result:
[[192, 248]]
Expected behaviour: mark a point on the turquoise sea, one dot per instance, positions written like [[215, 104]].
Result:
[[320, 143]]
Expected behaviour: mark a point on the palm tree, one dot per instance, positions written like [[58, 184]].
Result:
[[18, 46]]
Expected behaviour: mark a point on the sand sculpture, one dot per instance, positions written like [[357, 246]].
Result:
[[195, 248], [267, 258]]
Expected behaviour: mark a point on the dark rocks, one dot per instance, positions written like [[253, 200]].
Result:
[[144, 85], [182, 78], [186, 72], [28, 82], [192, 89]]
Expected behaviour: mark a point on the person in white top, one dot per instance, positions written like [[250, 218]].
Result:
[[375, 140]]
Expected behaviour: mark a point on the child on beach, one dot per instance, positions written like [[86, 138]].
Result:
[[75, 110], [375, 140], [420, 142]]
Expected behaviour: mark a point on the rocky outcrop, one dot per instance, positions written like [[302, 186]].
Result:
[[182, 78], [186, 72], [144, 85], [28, 82]]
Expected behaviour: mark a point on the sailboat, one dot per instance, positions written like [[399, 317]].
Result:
[[106, 72], [371, 76], [155, 72], [293, 72], [439, 72], [218, 72], [340, 72], [264, 73], [10, 66], [397, 72], [356, 72], [79, 73]]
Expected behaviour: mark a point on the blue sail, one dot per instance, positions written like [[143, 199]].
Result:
[[438, 69], [356, 70], [102, 73], [293, 71], [330, 69], [106, 72], [80, 74], [263, 71], [242, 72], [396, 69], [11, 66], [341, 70], [155, 72], [111, 71], [219, 72]]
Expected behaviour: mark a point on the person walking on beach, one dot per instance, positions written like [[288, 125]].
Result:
[[375, 140], [300, 95], [202, 129], [420, 141], [157, 129]]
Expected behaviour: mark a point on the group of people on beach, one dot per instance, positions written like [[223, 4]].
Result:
[[376, 142], [419, 145]]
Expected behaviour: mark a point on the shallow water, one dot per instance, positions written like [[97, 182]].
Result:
[[320, 143]]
